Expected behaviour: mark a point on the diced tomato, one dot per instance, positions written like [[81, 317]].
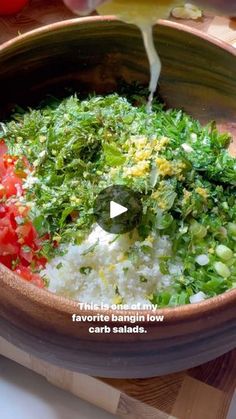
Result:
[[12, 185], [9, 161], [37, 280], [3, 147], [24, 272], [40, 262], [19, 239], [8, 221], [28, 233], [46, 236], [26, 255], [3, 211], [2, 169], [55, 244], [3, 151], [6, 260], [8, 249], [11, 7], [19, 210], [8, 241], [2, 191], [18, 243]]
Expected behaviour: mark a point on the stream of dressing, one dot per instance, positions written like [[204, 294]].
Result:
[[144, 14], [154, 62]]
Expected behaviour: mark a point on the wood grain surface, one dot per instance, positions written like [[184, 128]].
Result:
[[206, 392], [38, 13]]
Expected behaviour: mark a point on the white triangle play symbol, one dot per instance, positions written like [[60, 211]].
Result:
[[116, 209]]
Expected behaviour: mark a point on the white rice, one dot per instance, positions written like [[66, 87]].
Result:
[[111, 269]]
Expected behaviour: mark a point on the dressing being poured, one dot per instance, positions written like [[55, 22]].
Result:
[[143, 14]]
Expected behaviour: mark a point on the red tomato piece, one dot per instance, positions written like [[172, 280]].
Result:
[[26, 255], [9, 161], [18, 237], [7, 260], [2, 190], [8, 249], [37, 280], [3, 151], [24, 272], [12, 185], [9, 220], [19, 211], [11, 7], [8, 242], [3, 146], [3, 211], [6, 230], [40, 262], [2, 168], [28, 233]]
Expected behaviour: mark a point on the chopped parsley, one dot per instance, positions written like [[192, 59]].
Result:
[[85, 270], [182, 170]]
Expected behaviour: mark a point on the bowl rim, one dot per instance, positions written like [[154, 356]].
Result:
[[111, 18], [69, 306]]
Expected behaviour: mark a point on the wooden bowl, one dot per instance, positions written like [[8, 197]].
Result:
[[94, 54]]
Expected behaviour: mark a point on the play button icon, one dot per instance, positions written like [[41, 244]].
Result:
[[118, 209]]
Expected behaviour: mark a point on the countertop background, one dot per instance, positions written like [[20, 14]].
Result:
[[26, 395]]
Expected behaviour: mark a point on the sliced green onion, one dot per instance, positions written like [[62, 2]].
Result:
[[232, 229], [224, 252], [198, 230], [221, 269]]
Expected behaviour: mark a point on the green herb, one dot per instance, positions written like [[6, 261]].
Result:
[[26, 249], [85, 270], [114, 157], [91, 248]]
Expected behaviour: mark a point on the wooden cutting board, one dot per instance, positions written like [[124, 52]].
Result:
[[205, 392]]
